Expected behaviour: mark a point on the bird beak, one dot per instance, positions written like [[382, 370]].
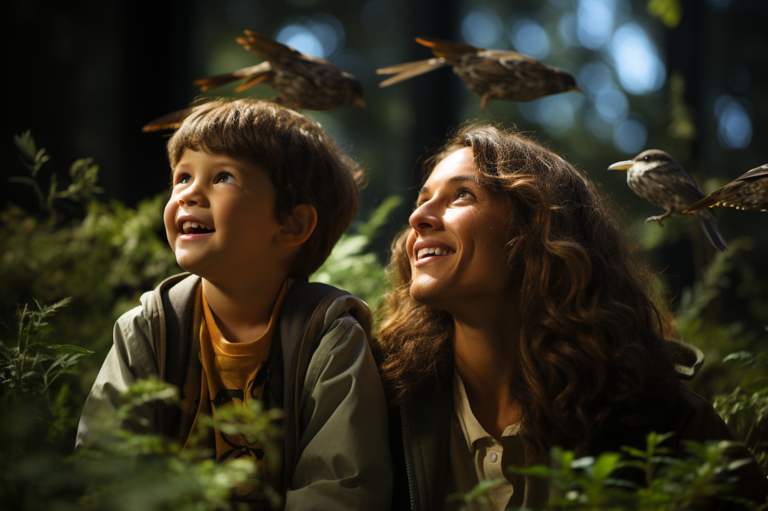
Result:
[[622, 165], [359, 101], [574, 89]]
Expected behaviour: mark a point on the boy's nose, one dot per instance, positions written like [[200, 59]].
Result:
[[188, 202]]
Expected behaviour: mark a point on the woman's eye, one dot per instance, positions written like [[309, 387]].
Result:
[[464, 193], [224, 178]]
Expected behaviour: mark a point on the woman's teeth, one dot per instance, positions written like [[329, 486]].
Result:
[[432, 251]]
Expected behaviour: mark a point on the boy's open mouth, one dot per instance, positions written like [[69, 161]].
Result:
[[196, 228]]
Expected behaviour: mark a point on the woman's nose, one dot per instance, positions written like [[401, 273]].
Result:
[[425, 217]]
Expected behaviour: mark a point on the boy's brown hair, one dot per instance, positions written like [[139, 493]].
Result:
[[302, 161]]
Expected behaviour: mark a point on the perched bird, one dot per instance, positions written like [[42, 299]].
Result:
[[748, 191], [491, 74], [301, 81], [657, 178]]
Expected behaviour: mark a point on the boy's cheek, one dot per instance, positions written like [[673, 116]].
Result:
[[169, 219]]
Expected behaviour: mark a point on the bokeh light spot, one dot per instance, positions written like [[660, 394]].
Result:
[[321, 36], [734, 127], [301, 39], [595, 22], [530, 38], [597, 126], [482, 27], [594, 77], [637, 62], [630, 136], [567, 28], [612, 105]]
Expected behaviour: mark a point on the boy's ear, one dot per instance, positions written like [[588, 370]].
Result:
[[298, 226]]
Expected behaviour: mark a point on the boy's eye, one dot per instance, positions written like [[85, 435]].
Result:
[[224, 178], [183, 179]]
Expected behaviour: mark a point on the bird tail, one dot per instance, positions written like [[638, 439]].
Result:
[[449, 49], [707, 202], [168, 121], [708, 223], [252, 75], [409, 70]]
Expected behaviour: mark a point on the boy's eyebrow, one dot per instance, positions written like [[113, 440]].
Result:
[[454, 179]]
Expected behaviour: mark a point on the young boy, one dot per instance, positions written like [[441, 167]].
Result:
[[260, 196]]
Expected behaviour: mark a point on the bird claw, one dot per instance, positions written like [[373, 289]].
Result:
[[656, 219]]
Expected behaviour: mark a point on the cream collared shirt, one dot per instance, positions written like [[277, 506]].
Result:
[[477, 456]]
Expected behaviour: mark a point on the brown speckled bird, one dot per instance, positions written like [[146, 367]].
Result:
[[301, 81], [748, 191], [657, 178], [491, 74]]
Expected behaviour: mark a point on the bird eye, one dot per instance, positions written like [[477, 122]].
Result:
[[646, 158]]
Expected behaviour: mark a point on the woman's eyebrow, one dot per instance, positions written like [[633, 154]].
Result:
[[454, 179]]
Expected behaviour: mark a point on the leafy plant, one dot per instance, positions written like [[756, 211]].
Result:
[[589, 483], [145, 471], [28, 368], [82, 172]]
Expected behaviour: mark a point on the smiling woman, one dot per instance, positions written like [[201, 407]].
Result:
[[529, 326]]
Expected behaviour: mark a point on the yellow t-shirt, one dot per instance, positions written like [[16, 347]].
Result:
[[235, 372]]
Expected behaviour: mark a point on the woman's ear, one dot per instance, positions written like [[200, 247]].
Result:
[[298, 226]]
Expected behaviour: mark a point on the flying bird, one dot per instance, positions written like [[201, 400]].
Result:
[[748, 191], [300, 81], [491, 74], [657, 178]]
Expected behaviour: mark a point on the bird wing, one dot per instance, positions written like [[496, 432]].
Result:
[[679, 182], [409, 70], [718, 196], [503, 55], [266, 48], [451, 50], [282, 55], [762, 170], [250, 73]]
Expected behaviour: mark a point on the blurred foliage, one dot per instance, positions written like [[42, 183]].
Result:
[[353, 265], [669, 11], [129, 471], [745, 410], [588, 483]]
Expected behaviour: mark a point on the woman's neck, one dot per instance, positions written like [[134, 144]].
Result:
[[485, 346]]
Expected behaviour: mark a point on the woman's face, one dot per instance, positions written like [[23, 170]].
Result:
[[456, 246]]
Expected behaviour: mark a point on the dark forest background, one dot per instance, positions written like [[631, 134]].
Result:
[[686, 76]]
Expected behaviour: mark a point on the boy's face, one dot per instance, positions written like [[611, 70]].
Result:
[[220, 218]]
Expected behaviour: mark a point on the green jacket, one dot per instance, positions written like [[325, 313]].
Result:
[[420, 433], [342, 459]]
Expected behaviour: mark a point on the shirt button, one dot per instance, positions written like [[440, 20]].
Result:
[[493, 457]]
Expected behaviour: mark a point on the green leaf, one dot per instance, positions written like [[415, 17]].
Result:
[[742, 356], [70, 347], [604, 465]]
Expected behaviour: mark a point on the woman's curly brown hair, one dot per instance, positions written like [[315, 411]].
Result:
[[592, 341]]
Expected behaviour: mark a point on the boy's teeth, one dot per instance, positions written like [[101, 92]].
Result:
[[194, 225]]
